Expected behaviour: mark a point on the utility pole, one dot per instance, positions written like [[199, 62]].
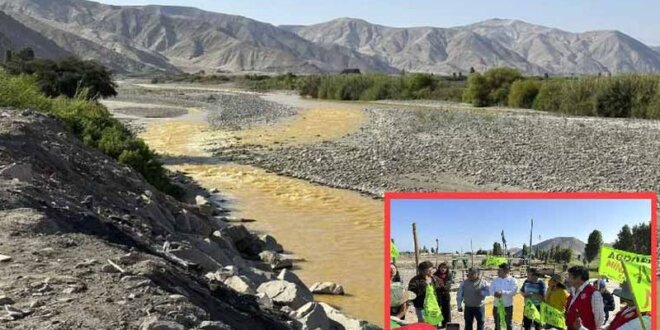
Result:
[[471, 253], [436, 252], [529, 258], [414, 228]]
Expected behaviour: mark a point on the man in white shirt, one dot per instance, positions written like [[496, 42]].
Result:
[[503, 288]]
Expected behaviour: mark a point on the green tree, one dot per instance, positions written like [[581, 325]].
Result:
[[525, 250], [477, 90], [69, 77], [625, 240], [642, 238], [497, 249], [592, 248]]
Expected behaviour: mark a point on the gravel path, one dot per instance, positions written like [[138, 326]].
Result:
[[444, 149]]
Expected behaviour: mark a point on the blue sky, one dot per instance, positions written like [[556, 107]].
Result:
[[454, 222], [638, 18]]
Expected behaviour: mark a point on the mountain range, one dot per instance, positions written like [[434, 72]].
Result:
[[563, 242], [138, 39]]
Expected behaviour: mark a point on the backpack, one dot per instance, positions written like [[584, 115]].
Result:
[[431, 310]]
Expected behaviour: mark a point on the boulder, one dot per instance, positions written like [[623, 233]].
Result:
[[155, 323], [312, 316], [285, 293], [204, 206], [243, 240], [271, 243], [264, 301], [4, 258], [289, 276], [240, 284], [339, 320], [327, 288], [274, 260]]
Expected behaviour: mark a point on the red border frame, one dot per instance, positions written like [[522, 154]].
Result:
[[389, 196]]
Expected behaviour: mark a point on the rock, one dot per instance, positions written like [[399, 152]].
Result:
[[155, 323], [128, 259], [327, 288], [240, 284], [204, 206], [4, 258], [342, 321], [271, 243], [243, 240], [264, 301], [222, 274], [286, 293], [214, 191], [177, 298], [80, 287], [274, 260], [312, 316], [289, 276], [4, 300], [14, 312], [22, 172], [109, 269], [213, 325]]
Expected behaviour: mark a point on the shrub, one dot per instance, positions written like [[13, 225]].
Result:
[[92, 123], [549, 96], [68, 76], [615, 99], [491, 88], [523, 93], [477, 90]]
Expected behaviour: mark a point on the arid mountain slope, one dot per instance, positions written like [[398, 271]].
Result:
[[531, 48]]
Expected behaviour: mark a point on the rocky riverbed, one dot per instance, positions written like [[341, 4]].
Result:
[[412, 149]]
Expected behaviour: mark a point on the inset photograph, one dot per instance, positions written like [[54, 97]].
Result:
[[475, 261]]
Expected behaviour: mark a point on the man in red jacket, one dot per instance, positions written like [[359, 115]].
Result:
[[585, 304]]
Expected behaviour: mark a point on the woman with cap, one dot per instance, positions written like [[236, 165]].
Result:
[[418, 286], [627, 318], [557, 294], [399, 300], [446, 280]]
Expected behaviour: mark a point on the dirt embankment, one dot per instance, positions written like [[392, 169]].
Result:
[[86, 243]]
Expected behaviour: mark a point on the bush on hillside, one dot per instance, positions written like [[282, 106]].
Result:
[[477, 90], [549, 96], [67, 77], [90, 122]]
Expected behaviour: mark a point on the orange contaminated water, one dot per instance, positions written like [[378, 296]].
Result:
[[338, 233]]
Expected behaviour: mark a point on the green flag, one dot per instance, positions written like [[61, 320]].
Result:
[[531, 312], [639, 279], [552, 316], [394, 252], [495, 261], [611, 258]]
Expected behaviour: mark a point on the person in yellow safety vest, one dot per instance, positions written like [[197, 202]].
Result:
[[627, 318], [557, 295]]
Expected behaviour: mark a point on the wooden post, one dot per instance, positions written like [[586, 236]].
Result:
[[471, 253], [414, 228]]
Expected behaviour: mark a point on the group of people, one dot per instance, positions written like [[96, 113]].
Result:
[[586, 305]]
